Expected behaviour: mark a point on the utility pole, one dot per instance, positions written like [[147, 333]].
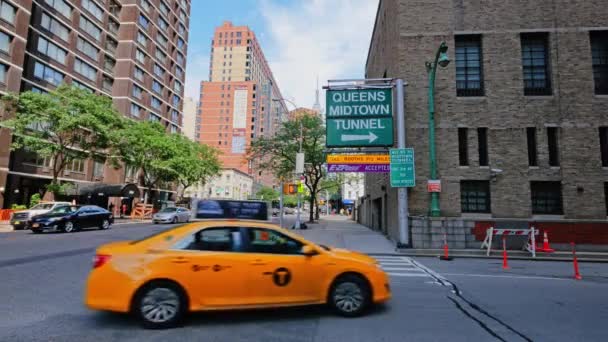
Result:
[[402, 204]]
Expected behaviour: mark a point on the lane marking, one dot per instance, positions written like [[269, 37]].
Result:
[[400, 269], [408, 275]]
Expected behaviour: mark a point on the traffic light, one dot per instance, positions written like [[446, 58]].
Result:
[[290, 189]]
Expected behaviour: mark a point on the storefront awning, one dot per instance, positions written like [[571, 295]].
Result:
[[109, 190]]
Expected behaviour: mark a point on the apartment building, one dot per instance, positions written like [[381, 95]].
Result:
[[241, 100], [133, 51]]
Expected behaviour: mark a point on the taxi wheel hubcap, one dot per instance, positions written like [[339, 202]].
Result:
[[160, 305], [348, 297], [69, 226]]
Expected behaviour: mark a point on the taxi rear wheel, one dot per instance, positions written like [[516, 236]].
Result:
[[350, 295], [160, 305]]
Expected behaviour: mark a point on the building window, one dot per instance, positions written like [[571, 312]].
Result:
[[463, 146], [599, 54], [154, 118], [98, 168], [5, 42], [145, 4], [475, 196], [136, 92], [180, 43], [604, 145], [135, 110], [87, 48], [48, 74], [157, 87], [162, 24], [54, 27], [144, 22], [546, 198], [469, 69], [141, 39], [90, 28], [3, 72], [158, 71], [160, 55], [162, 40], [535, 62], [156, 104], [75, 165], [85, 70], [177, 87], [140, 56], [7, 12], [95, 10], [139, 74], [173, 129], [175, 116], [532, 149], [553, 141], [180, 59], [51, 50], [164, 9], [179, 72], [482, 142]]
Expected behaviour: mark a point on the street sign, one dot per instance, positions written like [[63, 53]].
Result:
[[299, 163], [368, 168], [433, 185], [359, 117], [358, 159], [402, 168]]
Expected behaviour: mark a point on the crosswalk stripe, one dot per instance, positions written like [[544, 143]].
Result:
[[400, 269], [408, 275]]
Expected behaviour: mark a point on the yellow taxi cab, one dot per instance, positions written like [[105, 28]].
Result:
[[229, 264]]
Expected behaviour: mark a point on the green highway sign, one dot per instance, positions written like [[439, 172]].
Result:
[[359, 117], [402, 172]]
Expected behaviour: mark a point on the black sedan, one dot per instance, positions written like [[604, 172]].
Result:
[[71, 218]]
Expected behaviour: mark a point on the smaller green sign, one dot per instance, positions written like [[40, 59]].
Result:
[[403, 172]]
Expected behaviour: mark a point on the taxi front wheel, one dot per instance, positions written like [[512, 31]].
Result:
[[160, 305], [350, 295]]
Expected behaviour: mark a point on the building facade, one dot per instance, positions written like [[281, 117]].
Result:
[[190, 118], [133, 51], [229, 184], [521, 111], [241, 100]]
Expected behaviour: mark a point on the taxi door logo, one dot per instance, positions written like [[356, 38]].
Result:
[[281, 276]]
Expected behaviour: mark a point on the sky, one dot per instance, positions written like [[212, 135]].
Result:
[[301, 39]]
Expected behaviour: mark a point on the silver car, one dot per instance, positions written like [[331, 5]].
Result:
[[171, 215]]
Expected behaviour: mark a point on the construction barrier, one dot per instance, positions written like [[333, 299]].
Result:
[[5, 214], [529, 246], [142, 211]]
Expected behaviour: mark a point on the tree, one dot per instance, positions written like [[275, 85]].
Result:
[[267, 193], [63, 125], [278, 153], [193, 163], [147, 147]]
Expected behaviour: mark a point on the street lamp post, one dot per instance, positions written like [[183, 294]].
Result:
[[441, 59]]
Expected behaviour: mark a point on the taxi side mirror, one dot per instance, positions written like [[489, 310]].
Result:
[[309, 250]]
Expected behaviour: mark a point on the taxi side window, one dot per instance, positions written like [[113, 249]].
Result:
[[269, 241], [216, 239]]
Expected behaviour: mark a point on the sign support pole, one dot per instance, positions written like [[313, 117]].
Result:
[[281, 204], [402, 204]]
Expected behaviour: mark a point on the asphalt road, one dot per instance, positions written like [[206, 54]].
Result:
[[42, 282]]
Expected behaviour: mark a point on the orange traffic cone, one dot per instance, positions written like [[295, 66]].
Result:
[[446, 254], [505, 262], [577, 274], [545, 248]]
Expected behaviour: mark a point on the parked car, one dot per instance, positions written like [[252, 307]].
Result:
[[21, 219], [171, 215], [71, 218], [289, 211], [276, 211]]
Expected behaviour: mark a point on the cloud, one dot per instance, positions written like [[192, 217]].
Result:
[[310, 38], [197, 71]]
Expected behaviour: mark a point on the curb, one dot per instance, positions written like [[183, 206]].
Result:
[[498, 257]]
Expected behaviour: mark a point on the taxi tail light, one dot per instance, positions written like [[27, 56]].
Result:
[[100, 259]]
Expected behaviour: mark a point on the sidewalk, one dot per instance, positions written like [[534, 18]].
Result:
[[5, 227], [341, 232]]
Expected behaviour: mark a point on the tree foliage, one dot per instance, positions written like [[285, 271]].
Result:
[[65, 124], [267, 193], [278, 153]]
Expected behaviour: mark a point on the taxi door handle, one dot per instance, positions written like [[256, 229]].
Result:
[[179, 260], [258, 263]]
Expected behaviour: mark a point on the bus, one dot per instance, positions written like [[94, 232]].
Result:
[[231, 209]]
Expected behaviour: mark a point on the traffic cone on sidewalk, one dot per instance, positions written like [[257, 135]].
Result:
[[446, 251], [545, 248], [577, 274], [505, 262]]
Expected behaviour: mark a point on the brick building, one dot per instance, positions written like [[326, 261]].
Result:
[[237, 103], [521, 110], [133, 51]]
